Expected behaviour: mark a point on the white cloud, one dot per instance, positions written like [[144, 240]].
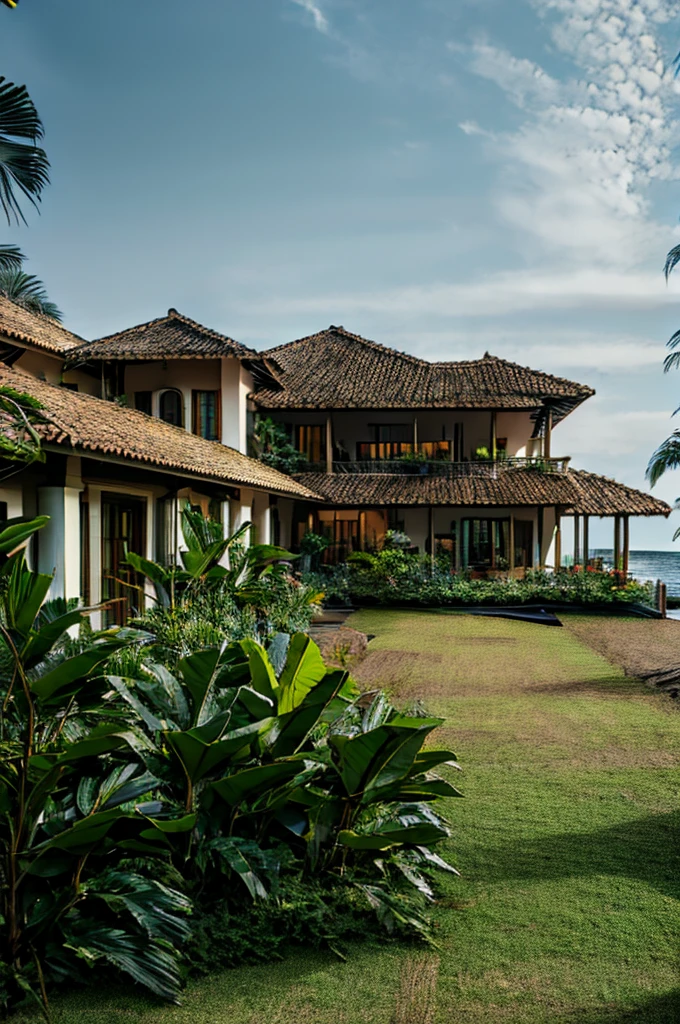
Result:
[[598, 432], [576, 172], [321, 22], [503, 293]]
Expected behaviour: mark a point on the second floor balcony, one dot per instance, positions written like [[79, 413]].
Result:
[[434, 458]]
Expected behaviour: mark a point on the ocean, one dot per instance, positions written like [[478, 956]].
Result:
[[649, 565]]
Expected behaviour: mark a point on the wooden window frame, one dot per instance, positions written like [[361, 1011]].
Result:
[[195, 412]]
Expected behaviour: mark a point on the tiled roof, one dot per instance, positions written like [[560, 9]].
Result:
[[170, 337], [90, 425], [34, 329], [338, 370], [575, 491]]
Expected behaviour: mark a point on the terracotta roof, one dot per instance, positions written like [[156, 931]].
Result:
[[338, 370], [90, 425], [170, 337], [34, 329], [575, 491]]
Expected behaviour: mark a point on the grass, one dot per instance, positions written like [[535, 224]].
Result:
[[567, 910]]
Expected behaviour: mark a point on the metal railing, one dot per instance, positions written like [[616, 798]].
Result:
[[486, 468]]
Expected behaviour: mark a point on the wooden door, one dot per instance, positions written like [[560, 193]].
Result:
[[123, 530]]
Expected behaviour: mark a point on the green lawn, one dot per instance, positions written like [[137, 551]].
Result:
[[567, 911]]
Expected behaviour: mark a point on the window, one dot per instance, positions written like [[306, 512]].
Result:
[[311, 441], [486, 543], [206, 414], [171, 407], [143, 401], [395, 433]]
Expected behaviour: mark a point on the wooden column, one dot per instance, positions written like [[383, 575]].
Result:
[[547, 437], [617, 541], [539, 538], [415, 433], [492, 448], [431, 528], [586, 539], [558, 539], [626, 543], [362, 531], [511, 552], [329, 444], [577, 540]]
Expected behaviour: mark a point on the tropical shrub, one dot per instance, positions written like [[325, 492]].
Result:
[[397, 577], [203, 602], [271, 444], [253, 786], [75, 804], [291, 775]]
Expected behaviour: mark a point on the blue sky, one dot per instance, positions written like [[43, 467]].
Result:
[[444, 176]]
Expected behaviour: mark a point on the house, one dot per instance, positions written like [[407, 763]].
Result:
[[115, 478], [461, 456]]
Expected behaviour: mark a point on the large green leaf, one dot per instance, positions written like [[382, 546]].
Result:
[[74, 670], [304, 669], [198, 671], [159, 575], [25, 593], [290, 731], [253, 782], [382, 756], [424, 833], [262, 675], [153, 963], [198, 758], [16, 531], [42, 642], [427, 760]]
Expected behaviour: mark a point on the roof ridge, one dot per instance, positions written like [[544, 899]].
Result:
[[174, 314], [339, 330]]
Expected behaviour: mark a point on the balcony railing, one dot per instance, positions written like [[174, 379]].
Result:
[[487, 468]]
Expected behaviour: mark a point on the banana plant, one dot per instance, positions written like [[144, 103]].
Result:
[[204, 550], [75, 797]]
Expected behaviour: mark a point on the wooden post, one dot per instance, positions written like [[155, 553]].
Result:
[[329, 444], [558, 539], [539, 538], [431, 527], [493, 435], [617, 541], [511, 553], [577, 539], [586, 540], [626, 543], [415, 433], [547, 437]]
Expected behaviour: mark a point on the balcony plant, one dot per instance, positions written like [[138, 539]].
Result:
[[414, 460]]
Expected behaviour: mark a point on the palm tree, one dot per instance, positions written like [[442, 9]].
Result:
[[27, 291], [24, 167], [667, 455]]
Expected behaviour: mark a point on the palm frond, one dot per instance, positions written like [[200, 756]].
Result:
[[28, 291], [11, 257], [666, 456], [672, 261], [24, 166]]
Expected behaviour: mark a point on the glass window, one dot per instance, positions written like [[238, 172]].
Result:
[[170, 408], [311, 441], [486, 543], [206, 414], [143, 401]]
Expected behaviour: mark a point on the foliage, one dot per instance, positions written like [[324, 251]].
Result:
[[397, 539], [19, 416], [27, 291], [245, 775], [70, 810], [396, 577], [271, 444], [24, 165], [204, 602], [667, 455]]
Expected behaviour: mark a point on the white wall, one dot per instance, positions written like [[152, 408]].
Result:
[[236, 384]]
